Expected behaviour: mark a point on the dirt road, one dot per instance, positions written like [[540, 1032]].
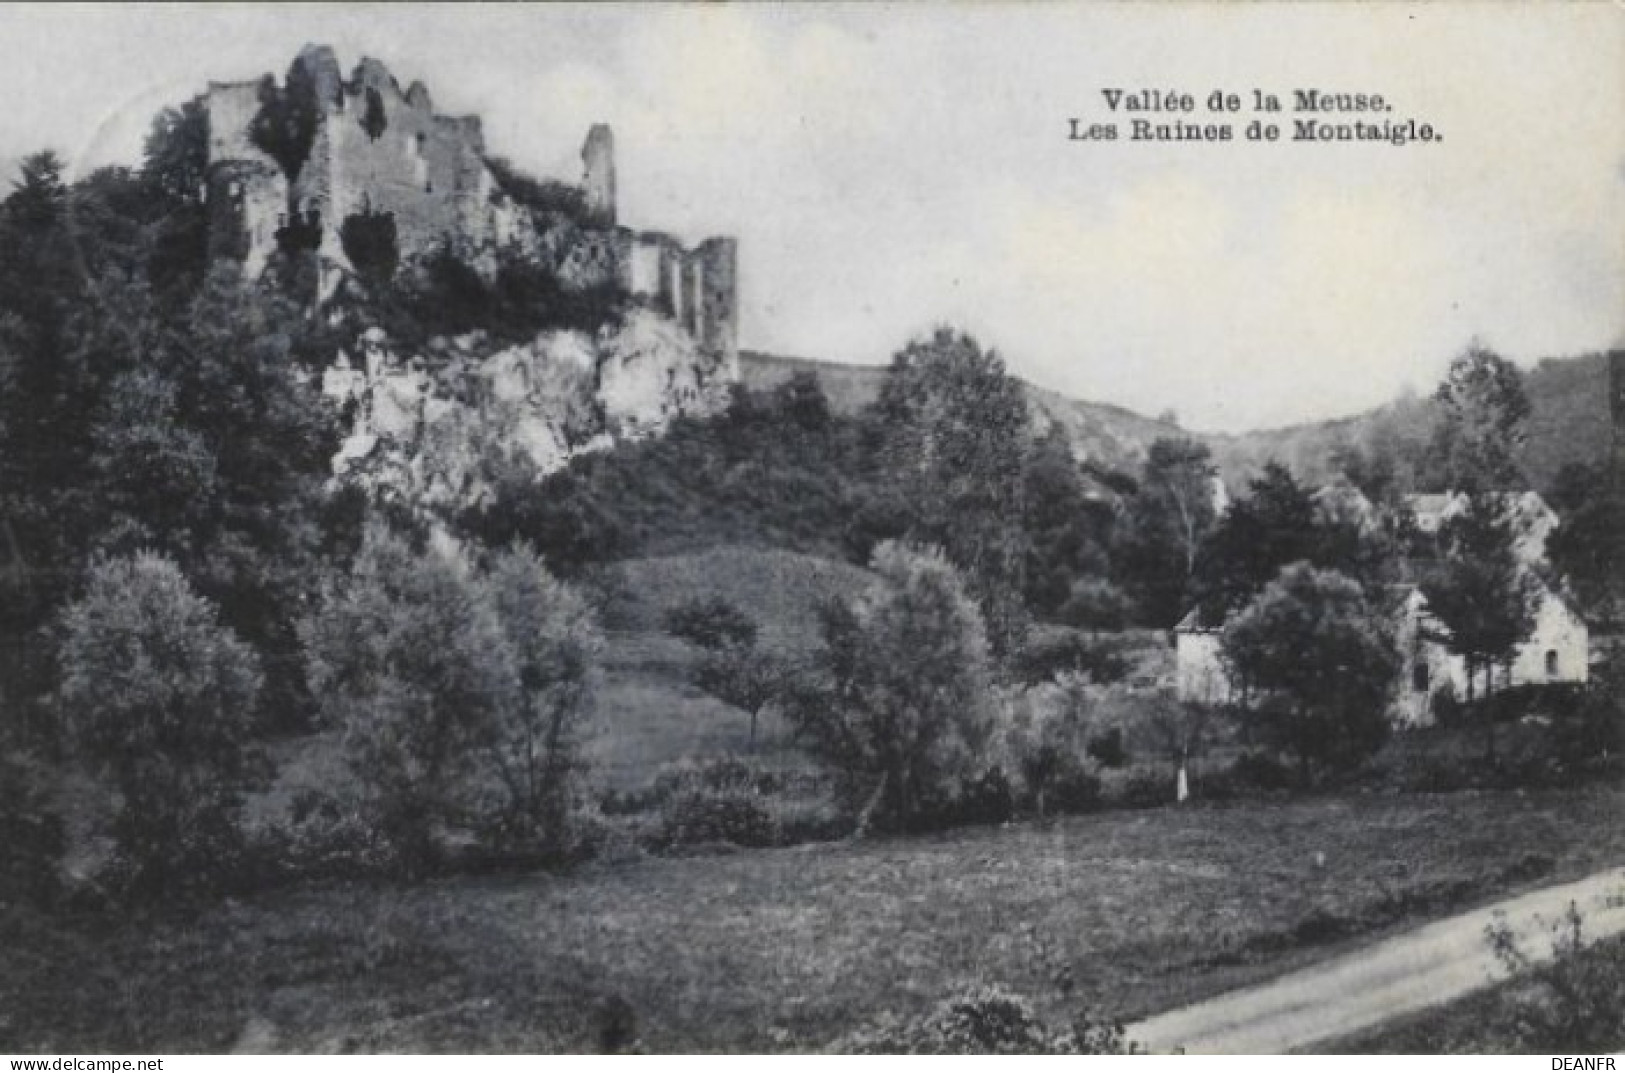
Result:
[[1424, 967]]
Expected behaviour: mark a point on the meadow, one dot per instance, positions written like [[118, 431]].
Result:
[[1125, 913]]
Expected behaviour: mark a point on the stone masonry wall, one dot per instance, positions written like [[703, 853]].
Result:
[[381, 150]]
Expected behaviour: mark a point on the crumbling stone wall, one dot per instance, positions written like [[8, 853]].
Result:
[[247, 192], [696, 288], [378, 149], [381, 150]]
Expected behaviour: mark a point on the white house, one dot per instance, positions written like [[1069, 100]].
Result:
[[1556, 651], [1532, 519]]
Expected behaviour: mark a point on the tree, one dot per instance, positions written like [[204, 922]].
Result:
[[1585, 550], [463, 695], [538, 744], [1067, 533], [747, 677], [1482, 412], [285, 125], [1169, 517], [734, 669], [955, 437], [1482, 593], [1321, 661], [410, 659], [899, 704], [155, 695], [1277, 523], [1047, 732], [373, 119], [175, 155], [1274, 525]]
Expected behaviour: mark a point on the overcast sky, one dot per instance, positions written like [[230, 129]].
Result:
[[889, 168]]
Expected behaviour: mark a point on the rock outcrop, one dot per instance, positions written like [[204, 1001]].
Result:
[[442, 428]]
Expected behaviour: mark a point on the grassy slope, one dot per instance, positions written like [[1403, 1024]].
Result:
[[788, 949], [648, 713]]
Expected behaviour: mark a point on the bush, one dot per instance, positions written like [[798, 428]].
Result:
[[987, 798], [899, 706], [537, 742], [408, 656], [32, 834], [700, 814], [372, 245], [1045, 731], [1595, 731], [1574, 1003], [156, 697], [711, 624], [463, 693], [981, 1021], [325, 838], [1053, 653], [1260, 771], [1143, 787], [1108, 748]]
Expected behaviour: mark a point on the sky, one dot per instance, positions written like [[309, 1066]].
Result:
[[889, 168]]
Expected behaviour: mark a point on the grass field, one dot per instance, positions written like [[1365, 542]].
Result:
[[648, 714], [789, 949]]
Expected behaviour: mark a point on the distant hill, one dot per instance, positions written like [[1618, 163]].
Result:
[[1569, 423], [1569, 397], [1109, 436]]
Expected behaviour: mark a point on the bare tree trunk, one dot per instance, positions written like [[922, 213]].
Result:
[[866, 814]]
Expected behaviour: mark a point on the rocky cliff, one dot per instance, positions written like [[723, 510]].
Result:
[[441, 428]]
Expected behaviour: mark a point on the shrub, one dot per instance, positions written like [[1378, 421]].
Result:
[[544, 196], [325, 838], [31, 832], [411, 659], [1596, 730], [1095, 604], [1260, 771], [981, 1021], [1053, 653], [1143, 787], [989, 797], [285, 125], [899, 704], [1046, 731], [1574, 1003], [701, 814], [538, 739], [156, 697], [711, 624], [372, 245], [1108, 748], [463, 694]]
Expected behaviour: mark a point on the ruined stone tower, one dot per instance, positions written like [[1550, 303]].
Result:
[[598, 176], [376, 150]]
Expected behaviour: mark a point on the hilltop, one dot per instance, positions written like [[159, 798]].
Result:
[[1110, 437], [1569, 422]]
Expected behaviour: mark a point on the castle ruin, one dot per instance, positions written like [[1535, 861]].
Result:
[[375, 149]]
